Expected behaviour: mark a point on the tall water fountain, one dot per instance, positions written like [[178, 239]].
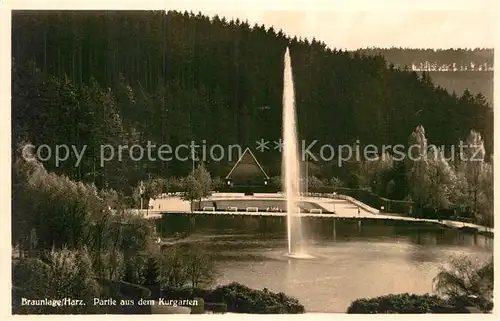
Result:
[[291, 173]]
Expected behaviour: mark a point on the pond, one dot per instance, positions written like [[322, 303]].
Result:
[[352, 258]]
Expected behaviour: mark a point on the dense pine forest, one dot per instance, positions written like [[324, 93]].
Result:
[[474, 81], [94, 78]]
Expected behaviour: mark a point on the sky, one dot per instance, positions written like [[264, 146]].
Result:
[[360, 29]]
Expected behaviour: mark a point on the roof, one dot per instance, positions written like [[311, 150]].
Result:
[[247, 165]]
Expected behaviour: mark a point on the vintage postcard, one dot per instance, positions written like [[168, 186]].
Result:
[[251, 161]]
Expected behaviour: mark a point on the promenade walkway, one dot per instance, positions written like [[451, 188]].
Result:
[[341, 207]]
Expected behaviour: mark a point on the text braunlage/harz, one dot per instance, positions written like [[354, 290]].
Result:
[[108, 302]]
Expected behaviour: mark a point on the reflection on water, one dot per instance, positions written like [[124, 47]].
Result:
[[377, 259], [342, 271]]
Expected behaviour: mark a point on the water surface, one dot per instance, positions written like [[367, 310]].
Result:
[[343, 270]]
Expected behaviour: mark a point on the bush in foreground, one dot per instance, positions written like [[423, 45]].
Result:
[[404, 303], [237, 298]]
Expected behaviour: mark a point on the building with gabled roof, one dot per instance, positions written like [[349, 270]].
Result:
[[247, 171]]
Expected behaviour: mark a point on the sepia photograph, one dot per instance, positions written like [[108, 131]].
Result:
[[252, 161]]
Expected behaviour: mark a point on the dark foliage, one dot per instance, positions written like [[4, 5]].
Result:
[[238, 298], [124, 290], [216, 307], [403, 303], [483, 305], [29, 271]]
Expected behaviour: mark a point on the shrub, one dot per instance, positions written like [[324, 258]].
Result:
[[183, 265], [481, 303], [33, 272], [402, 303], [314, 184], [238, 298], [109, 264], [242, 299], [30, 279], [125, 290], [58, 203], [185, 293], [216, 307], [65, 274], [151, 271]]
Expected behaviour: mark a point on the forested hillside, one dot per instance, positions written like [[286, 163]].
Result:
[[456, 70], [474, 81], [92, 78], [479, 59]]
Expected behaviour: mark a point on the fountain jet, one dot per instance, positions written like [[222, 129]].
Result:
[[291, 172]]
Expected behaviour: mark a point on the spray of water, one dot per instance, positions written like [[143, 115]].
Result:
[[291, 165]]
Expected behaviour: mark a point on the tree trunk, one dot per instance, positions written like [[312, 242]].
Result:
[[475, 203]]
